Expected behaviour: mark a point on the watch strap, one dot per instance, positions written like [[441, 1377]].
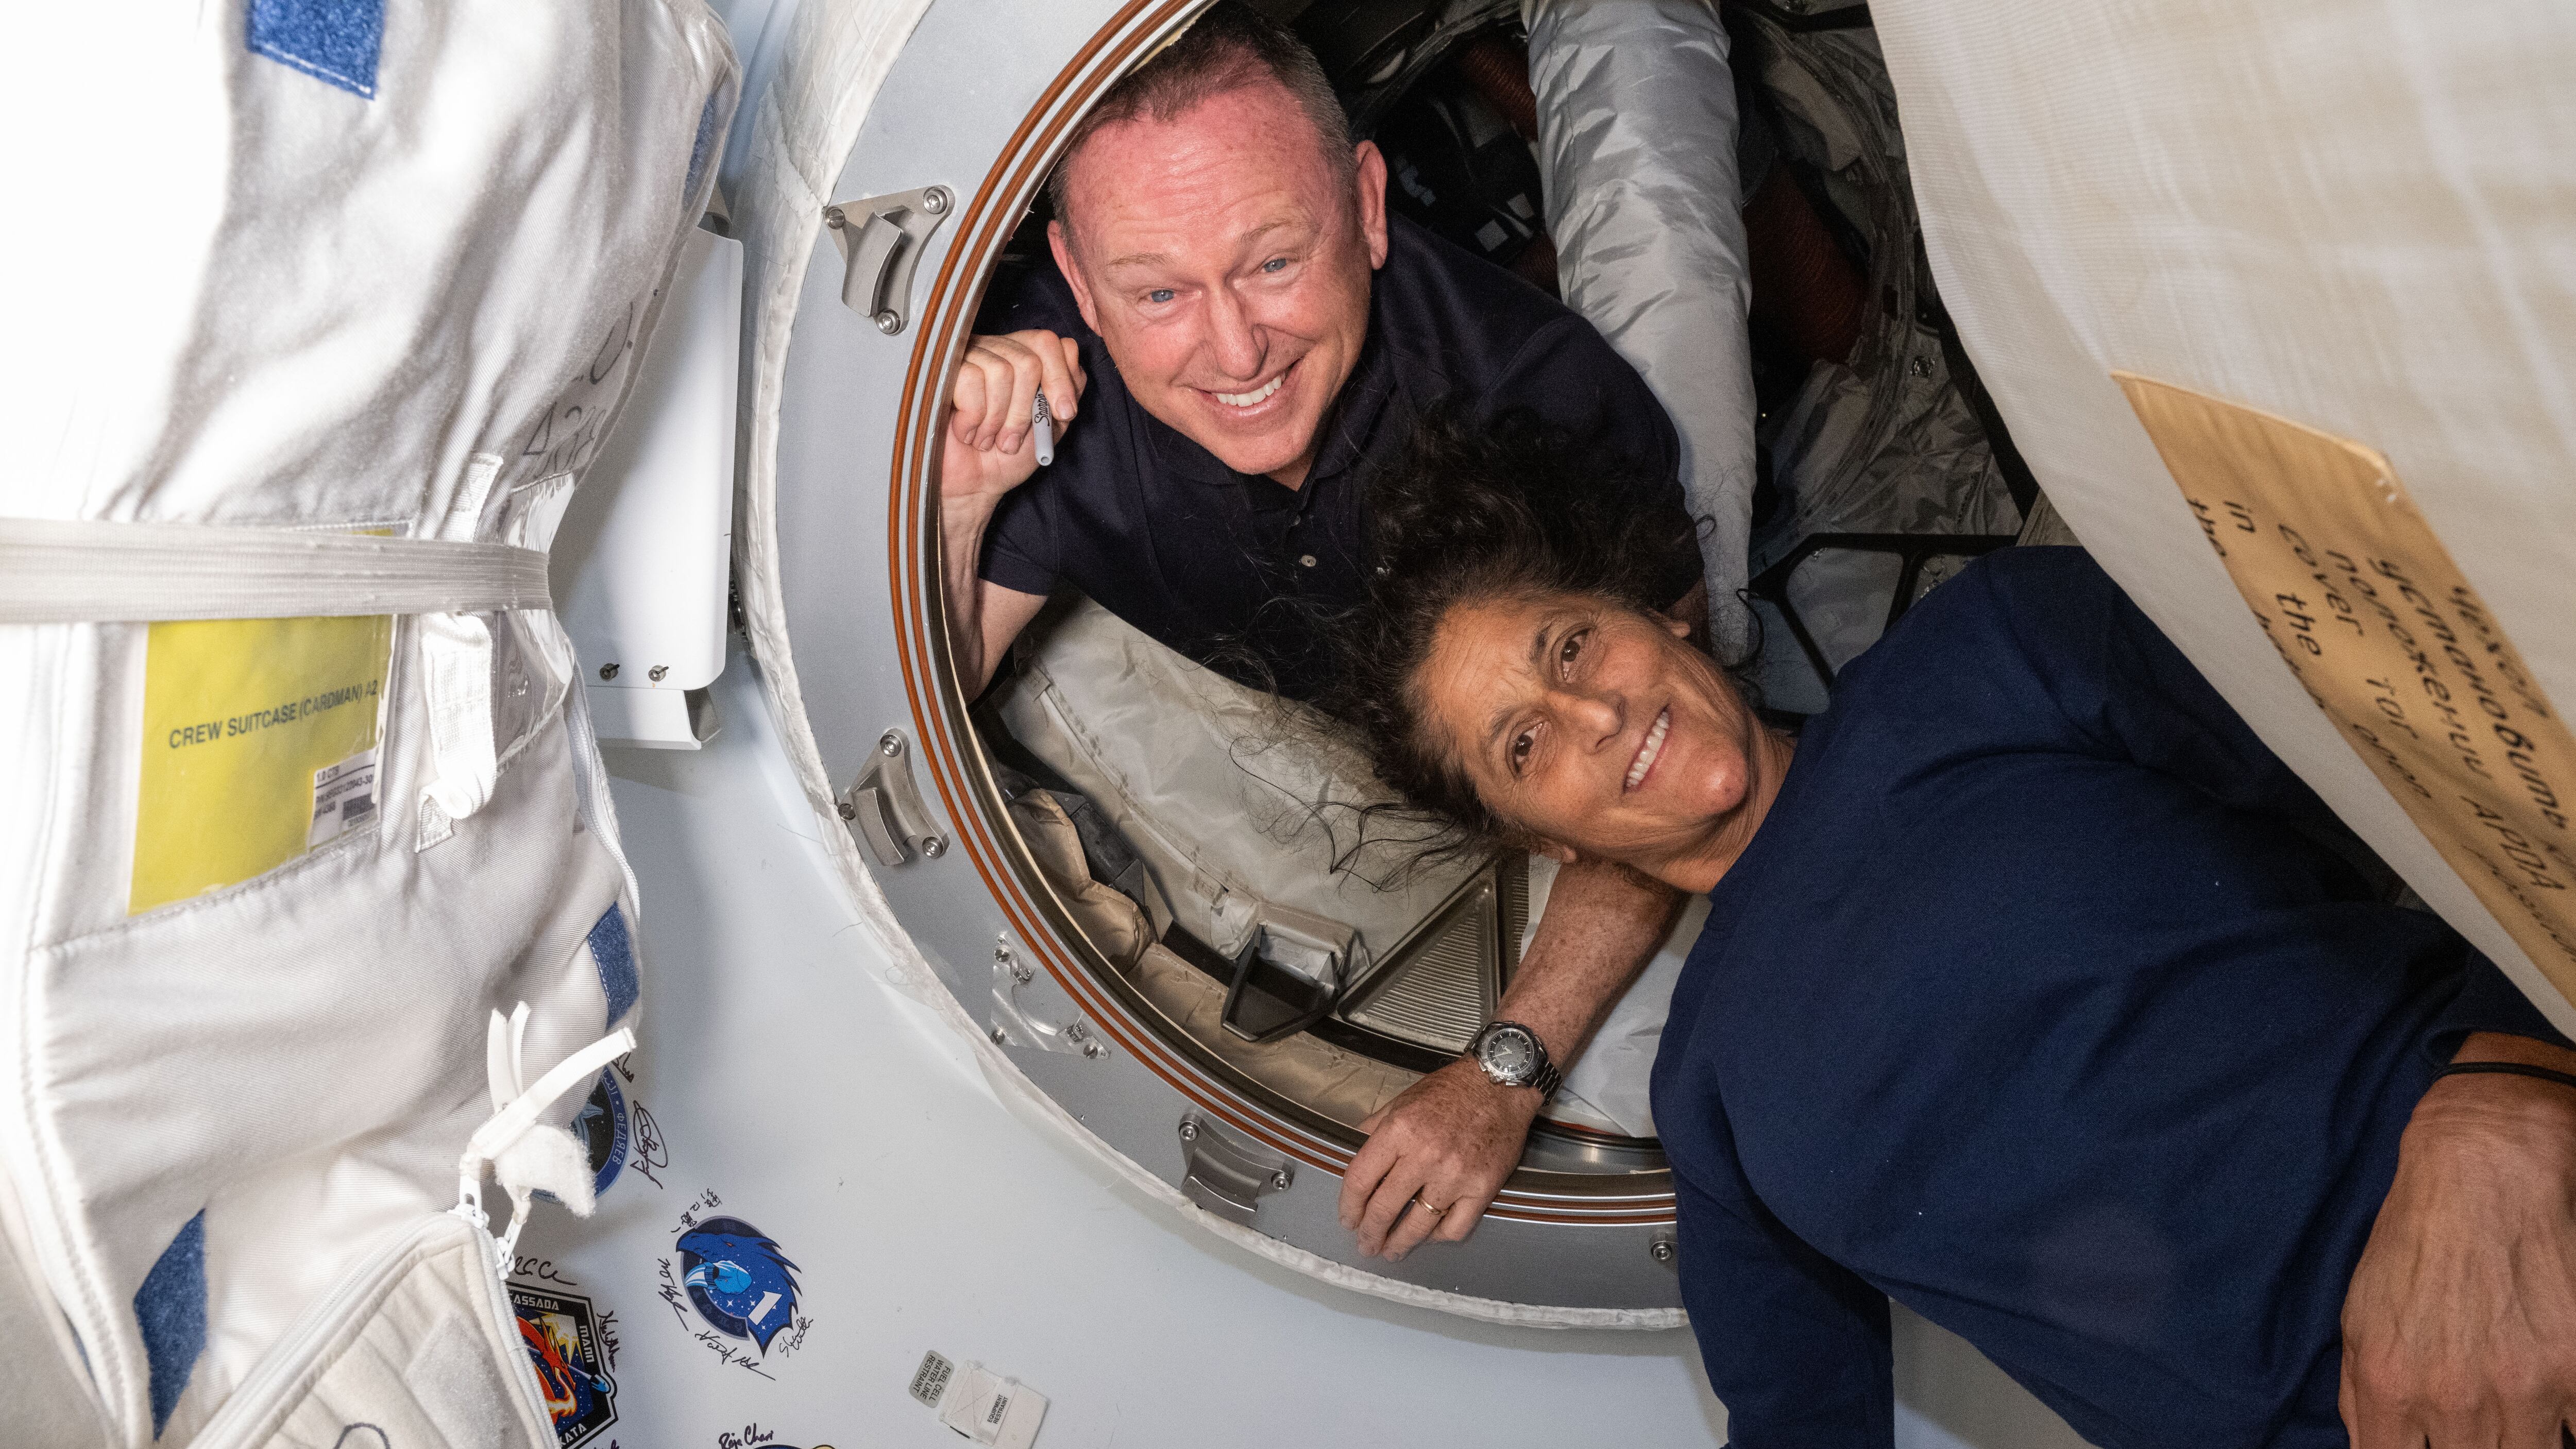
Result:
[[1546, 1077]]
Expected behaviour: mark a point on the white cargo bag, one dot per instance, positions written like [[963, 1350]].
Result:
[[330, 304]]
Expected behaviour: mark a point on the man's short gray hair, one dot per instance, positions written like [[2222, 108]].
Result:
[[1231, 46]]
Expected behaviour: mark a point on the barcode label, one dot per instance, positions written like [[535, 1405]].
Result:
[[344, 796]]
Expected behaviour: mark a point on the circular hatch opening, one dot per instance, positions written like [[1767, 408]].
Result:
[[1196, 846], [1061, 865]]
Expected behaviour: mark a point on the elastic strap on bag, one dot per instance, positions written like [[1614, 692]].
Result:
[[84, 571]]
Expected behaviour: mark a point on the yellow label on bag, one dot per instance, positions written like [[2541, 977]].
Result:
[[259, 743], [2361, 598]]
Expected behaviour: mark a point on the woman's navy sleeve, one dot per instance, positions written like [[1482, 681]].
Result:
[[2122, 682], [2488, 1001], [2136, 693], [1795, 1345]]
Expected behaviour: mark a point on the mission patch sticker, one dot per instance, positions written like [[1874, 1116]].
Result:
[[601, 1129], [738, 1280], [561, 1334]]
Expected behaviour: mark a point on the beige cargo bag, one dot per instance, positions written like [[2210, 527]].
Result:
[[2277, 301]]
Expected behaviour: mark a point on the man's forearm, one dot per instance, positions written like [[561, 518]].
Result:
[[1602, 925], [961, 555]]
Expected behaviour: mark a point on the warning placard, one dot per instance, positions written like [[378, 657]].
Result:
[[2378, 623], [259, 743]]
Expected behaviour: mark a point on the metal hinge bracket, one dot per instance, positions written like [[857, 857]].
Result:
[[884, 809], [1226, 1175], [881, 239], [1014, 1024]]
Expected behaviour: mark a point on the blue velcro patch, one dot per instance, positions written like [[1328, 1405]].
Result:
[[613, 952], [331, 40], [705, 142], [171, 1308]]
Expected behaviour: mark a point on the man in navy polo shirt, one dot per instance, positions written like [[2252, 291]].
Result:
[[1244, 332]]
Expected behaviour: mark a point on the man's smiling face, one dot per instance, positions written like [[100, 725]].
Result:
[[1226, 261]]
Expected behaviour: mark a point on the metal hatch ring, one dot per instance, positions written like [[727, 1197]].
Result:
[[949, 748]]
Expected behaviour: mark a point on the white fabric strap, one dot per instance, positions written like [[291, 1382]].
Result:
[[456, 664], [73, 571], [528, 1154], [456, 659], [506, 1125]]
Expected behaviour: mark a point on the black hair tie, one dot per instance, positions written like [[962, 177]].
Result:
[[2518, 1069]]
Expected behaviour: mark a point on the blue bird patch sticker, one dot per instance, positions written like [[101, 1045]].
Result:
[[738, 1280]]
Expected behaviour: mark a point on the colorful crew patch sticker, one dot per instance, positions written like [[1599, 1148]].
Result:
[[2383, 631], [259, 743], [562, 1337], [738, 1280]]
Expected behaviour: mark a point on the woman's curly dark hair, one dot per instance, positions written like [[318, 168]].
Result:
[[1493, 510]]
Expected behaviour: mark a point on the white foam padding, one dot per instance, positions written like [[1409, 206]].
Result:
[[1637, 147], [1236, 800]]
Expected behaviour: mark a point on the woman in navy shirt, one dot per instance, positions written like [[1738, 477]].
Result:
[[2036, 994]]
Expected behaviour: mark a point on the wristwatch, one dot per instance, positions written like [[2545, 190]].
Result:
[[1513, 1056]]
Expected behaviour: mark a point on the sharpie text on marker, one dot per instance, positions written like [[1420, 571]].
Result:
[[1042, 431]]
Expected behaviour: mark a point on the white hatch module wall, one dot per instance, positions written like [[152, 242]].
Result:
[[1120, 875], [881, 1210]]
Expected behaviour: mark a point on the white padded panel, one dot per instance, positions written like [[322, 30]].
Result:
[[417, 1348]]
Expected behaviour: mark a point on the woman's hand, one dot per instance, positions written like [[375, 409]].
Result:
[[987, 452], [2460, 1324], [1447, 1143]]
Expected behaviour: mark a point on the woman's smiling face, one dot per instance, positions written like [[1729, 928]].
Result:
[[1594, 728]]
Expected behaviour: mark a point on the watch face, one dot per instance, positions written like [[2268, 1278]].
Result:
[[1509, 1054]]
